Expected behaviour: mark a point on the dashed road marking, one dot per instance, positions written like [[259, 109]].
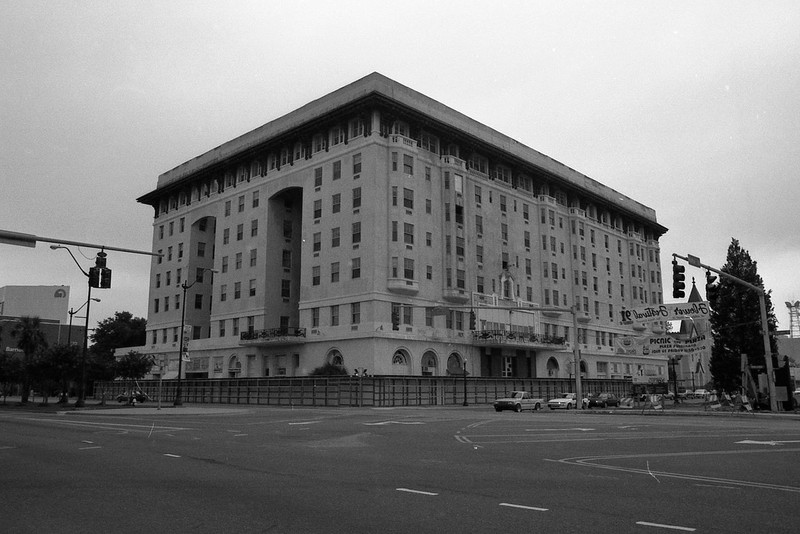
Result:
[[419, 492], [523, 507], [670, 527], [171, 455]]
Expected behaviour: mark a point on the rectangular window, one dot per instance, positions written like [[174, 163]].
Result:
[[238, 260], [355, 268], [335, 237], [317, 209], [356, 197], [356, 232], [408, 164], [239, 232], [337, 170], [408, 233], [254, 228], [314, 317], [241, 204], [255, 199], [335, 271], [334, 315], [252, 288], [336, 203], [318, 177], [408, 268], [355, 313], [253, 256], [317, 241], [356, 164], [315, 275], [286, 260], [408, 198], [237, 290], [286, 289]]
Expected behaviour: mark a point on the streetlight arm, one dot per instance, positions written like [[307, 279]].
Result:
[[54, 247]]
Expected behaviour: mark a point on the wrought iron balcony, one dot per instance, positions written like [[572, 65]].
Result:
[[508, 337], [274, 336]]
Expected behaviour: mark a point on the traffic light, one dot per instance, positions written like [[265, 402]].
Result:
[[678, 278], [712, 289], [100, 275], [94, 277]]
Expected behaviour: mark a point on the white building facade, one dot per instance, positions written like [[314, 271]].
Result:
[[378, 229]]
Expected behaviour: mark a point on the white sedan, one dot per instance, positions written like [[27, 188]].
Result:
[[566, 401]]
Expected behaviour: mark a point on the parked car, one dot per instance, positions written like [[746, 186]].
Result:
[[518, 401], [701, 393], [601, 400], [566, 401], [139, 396], [796, 399]]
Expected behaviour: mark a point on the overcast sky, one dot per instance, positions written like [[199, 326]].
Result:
[[688, 107]]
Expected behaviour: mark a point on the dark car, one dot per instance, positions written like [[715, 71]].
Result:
[[138, 396], [601, 400]]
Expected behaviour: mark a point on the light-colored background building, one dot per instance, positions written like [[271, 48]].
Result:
[[377, 228], [46, 302]]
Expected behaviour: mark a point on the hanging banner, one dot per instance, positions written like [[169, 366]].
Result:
[[665, 346], [665, 312]]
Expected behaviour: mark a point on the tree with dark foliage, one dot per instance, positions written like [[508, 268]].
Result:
[[736, 320]]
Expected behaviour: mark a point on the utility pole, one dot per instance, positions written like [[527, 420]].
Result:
[[694, 261]]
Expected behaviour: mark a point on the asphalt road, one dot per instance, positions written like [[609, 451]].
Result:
[[395, 470]]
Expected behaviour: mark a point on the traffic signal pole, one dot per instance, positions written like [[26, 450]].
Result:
[[694, 261]]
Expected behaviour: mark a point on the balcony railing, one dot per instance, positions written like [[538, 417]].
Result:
[[271, 335], [490, 337]]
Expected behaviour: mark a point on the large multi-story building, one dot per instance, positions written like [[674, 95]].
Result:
[[379, 229]]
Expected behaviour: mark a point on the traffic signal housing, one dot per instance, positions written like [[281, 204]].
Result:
[[100, 275], [678, 280], [712, 289]]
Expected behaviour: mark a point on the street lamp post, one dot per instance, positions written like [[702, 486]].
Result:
[[184, 343], [465, 383], [72, 312]]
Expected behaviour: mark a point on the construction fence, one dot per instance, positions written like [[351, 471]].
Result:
[[377, 391]]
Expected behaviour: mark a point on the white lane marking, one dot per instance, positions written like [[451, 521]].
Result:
[[304, 423], [6, 447], [89, 448], [395, 423], [557, 429], [106, 426], [239, 435], [660, 525], [418, 492], [589, 461], [534, 508], [171, 455], [773, 443], [87, 441], [651, 473]]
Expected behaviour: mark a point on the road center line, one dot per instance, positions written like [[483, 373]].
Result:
[[671, 527], [534, 508], [172, 455], [417, 491]]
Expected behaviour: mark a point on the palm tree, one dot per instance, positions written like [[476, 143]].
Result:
[[30, 340]]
